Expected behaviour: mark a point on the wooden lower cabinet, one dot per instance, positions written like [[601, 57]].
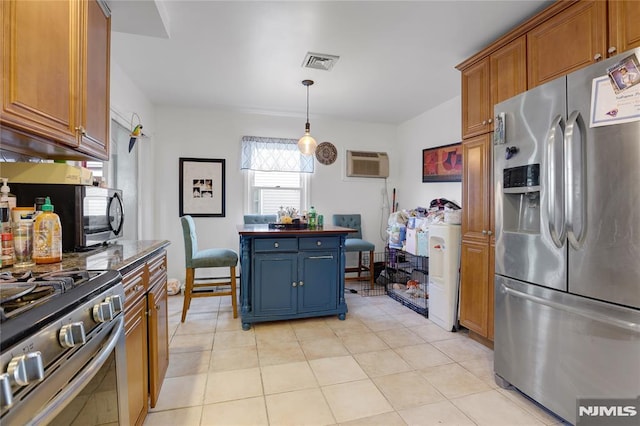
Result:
[[157, 301], [474, 297], [147, 334], [137, 348]]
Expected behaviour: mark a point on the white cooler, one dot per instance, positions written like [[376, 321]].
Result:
[[444, 267]]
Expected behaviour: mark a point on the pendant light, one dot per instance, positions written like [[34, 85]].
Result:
[[307, 144]]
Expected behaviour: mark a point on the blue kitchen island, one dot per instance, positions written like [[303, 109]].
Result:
[[291, 273]]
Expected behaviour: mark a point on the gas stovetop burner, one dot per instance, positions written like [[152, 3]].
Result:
[[19, 291]]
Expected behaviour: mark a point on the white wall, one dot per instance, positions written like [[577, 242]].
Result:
[[205, 133], [436, 127], [201, 133], [126, 99]]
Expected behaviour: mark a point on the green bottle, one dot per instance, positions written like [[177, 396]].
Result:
[[312, 217]]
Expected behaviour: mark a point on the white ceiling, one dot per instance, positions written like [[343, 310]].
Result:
[[396, 61]]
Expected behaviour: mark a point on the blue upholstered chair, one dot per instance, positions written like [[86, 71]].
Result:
[[250, 219], [353, 243], [206, 258]]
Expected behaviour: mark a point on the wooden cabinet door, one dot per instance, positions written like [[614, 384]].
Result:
[[474, 297], [624, 30], [94, 101], [476, 109], [275, 284], [570, 40], [158, 338], [475, 187], [318, 286], [508, 71], [40, 50], [137, 349]]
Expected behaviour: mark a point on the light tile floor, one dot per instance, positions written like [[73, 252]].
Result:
[[383, 365]]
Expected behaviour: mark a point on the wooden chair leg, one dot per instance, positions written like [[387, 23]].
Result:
[[188, 287], [359, 263], [234, 295], [371, 277]]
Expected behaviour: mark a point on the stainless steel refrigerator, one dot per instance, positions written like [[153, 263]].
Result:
[[567, 211]]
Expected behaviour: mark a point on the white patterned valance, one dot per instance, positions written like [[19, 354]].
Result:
[[274, 155]]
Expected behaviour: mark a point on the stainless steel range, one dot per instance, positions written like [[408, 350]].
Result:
[[61, 340]]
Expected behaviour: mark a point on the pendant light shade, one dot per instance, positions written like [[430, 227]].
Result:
[[307, 144]]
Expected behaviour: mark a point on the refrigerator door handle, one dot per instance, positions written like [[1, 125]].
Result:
[[575, 178], [584, 312], [555, 203]]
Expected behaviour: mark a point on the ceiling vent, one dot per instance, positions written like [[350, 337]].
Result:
[[319, 61]]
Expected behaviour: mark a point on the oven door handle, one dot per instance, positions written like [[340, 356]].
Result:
[[78, 383]]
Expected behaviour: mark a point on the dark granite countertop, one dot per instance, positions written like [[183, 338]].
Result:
[[120, 255]]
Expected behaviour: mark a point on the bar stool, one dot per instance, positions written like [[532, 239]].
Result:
[[353, 243], [207, 258]]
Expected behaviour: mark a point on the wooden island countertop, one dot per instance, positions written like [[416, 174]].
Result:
[[263, 229]]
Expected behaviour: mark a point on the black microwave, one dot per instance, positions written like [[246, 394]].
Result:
[[89, 215]]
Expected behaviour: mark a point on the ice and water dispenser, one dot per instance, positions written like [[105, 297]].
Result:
[[521, 205]]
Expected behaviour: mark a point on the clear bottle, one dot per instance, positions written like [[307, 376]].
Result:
[[47, 236], [7, 203], [312, 217]]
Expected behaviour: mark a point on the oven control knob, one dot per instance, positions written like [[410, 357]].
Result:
[[116, 303], [103, 312], [6, 396], [72, 335], [25, 369]]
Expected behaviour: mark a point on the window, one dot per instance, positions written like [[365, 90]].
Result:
[[277, 174], [267, 191]]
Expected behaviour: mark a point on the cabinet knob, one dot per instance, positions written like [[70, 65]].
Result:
[[294, 284], [489, 232], [490, 121], [301, 283], [597, 56], [484, 232], [82, 130], [612, 49], [484, 122], [276, 245], [318, 243]]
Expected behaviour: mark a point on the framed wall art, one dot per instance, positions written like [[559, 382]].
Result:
[[202, 187], [442, 164]]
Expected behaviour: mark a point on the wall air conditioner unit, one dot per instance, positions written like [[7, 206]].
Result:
[[367, 164]]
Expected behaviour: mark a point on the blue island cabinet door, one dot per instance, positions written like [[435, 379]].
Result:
[[318, 281], [274, 284]]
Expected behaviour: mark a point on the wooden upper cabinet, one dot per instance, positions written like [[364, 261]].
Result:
[[508, 71], [55, 90], [491, 80], [39, 66], [94, 106], [624, 30], [570, 40], [476, 92], [476, 187]]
